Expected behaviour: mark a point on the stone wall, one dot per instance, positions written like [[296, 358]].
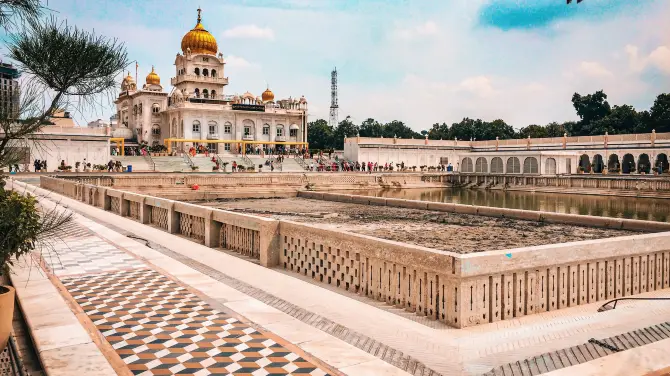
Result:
[[459, 290]]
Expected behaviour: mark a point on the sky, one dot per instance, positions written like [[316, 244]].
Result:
[[417, 61]]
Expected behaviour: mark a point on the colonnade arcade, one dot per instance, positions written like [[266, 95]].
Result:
[[506, 165], [623, 163]]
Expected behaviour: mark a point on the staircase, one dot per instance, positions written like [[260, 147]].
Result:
[[139, 163], [170, 164], [203, 163]]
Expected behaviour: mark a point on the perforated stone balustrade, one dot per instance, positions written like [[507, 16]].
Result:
[[459, 290]]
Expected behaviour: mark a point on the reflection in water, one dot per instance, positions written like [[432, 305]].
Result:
[[604, 206]]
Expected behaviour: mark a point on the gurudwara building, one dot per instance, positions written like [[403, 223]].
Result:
[[199, 112]]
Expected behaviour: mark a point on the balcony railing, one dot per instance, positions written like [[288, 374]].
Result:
[[248, 137], [212, 136], [193, 78], [280, 138]]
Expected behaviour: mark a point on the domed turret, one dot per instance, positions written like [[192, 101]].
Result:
[[128, 83], [153, 78], [268, 95], [199, 40]]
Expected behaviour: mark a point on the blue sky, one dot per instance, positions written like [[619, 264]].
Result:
[[419, 61]]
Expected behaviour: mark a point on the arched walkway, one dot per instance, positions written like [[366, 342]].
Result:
[[584, 163], [662, 160], [644, 164], [613, 164], [530, 165], [481, 165], [628, 164], [550, 166], [598, 164], [466, 165], [497, 166], [513, 166]]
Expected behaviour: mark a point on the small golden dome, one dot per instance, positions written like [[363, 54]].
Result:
[[127, 83], [199, 40], [153, 78], [128, 78], [268, 95], [248, 95]]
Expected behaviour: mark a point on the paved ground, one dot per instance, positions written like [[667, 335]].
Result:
[[441, 349]]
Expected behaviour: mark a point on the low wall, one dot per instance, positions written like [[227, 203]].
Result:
[[459, 290], [540, 216]]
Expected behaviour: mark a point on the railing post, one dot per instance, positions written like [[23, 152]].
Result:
[[145, 211], [270, 246], [212, 230], [173, 219], [124, 206], [106, 201]]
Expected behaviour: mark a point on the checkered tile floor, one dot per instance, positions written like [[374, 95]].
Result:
[[88, 254], [159, 328]]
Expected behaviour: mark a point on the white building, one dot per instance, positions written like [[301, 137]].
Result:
[[99, 123], [198, 109]]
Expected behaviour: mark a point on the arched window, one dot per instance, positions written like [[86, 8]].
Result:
[[196, 126], [205, 93], [155, 108], [197, 71], [550, 166], [481, 165], [266, 129], [205, 72], [513, 166], [139, 109], [213, 96], [135, 110], [497, 166], [466, 165], [156, 130], [213, 128], [213, 72], [197, 92], [227, 127], [530, 165], [280, 130]]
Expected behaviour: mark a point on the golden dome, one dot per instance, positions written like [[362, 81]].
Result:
[[199, 40], [268, 95], [153, 78], [128, 78]]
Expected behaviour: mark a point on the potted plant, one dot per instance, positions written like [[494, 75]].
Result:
[[224, 164], [240, 168], [414, 168], [87, 168], [21, 229], [76, 166], [194, 168], [260, 168]]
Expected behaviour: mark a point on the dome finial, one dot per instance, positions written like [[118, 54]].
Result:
[[199, 18]]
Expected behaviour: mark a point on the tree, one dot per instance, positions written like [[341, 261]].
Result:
[[497, 128], [398, 129], [533, 131], [440, 132], [319, 134], [371, 128], [590, 108], [555, 130], [621, 120], [345, 128], [64, 65], [659, 114]]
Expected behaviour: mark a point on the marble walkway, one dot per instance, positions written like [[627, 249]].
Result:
[[443, 350]]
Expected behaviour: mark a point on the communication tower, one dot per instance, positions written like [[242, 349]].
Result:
[[333, 98]]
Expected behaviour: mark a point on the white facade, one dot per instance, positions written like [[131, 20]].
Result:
[[198, 109]]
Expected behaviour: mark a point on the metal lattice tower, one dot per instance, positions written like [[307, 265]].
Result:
[[334, 108]]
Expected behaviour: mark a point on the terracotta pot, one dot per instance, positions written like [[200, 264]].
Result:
[[6, 315]]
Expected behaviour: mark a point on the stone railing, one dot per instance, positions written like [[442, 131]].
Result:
[[459, 290], [615, 182]]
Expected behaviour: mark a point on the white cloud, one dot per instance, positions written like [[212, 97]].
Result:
[[233, 61], [425, 29], [480, 86], [660, 58], [249, 32], [594, 69]]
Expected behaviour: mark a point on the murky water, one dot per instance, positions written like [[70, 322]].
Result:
[[605, 206]]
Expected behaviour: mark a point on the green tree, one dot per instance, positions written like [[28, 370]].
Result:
[[371, 128], [345, 128], [319, 135], [399, 129], [440, 132], [659, 114], [621, 120], [590, 108], [555, 130], [534, 131], [497, 128]]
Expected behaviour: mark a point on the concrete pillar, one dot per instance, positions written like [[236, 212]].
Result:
[[145, 212], [173, 219], [106, 200], [124, 206], [212, 231], [270, 247]]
